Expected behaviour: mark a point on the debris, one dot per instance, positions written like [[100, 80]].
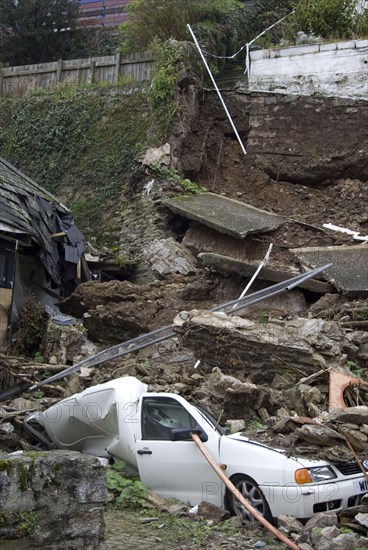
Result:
[[228, 216], [307, 344], [349, 271]]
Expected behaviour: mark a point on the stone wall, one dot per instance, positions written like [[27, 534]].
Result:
[[52, 500], [307, 140], [338, 69]]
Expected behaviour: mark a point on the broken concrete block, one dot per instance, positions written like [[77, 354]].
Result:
[[225, 215], [349, 271]]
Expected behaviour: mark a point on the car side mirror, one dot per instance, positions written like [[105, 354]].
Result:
[[183, 434]]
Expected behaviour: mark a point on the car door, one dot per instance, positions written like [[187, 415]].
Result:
[[176, 469]]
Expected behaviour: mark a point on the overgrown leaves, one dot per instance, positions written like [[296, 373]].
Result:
[[125, 491], [80, 142], [326, 18], [164, 19]]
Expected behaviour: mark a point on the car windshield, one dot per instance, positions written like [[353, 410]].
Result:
[[207, 416]]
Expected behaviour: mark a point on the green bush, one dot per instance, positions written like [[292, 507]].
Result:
[[325, 18], [125, 491], [165, 19]]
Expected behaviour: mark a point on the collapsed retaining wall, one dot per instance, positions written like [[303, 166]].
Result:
[[52, 500], [338, 69]]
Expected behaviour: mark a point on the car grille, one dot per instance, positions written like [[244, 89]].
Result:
[[350, 468]]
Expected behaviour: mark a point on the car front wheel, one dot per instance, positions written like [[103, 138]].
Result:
[[249, 489]]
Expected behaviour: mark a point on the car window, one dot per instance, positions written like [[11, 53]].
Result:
[[161, 414]]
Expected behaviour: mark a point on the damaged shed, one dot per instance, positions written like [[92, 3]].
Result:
[[41, 249]]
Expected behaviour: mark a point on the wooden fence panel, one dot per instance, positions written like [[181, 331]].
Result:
[[111, 68]]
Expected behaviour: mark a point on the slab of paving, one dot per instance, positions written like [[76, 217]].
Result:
[[228, 216], [225, 264], [349, 272]]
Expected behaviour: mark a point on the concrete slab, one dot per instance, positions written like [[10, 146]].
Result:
[[225, 264], [225, 215], [349, 272]]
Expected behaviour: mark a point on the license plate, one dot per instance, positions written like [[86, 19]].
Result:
[[360, 486]]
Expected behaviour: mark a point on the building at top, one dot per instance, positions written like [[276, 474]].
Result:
[[102, 13]]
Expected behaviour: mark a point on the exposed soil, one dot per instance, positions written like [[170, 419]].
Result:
[[126, 529]]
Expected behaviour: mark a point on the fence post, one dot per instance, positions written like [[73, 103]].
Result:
[[92, 65], [59, 68], [1, 81], [117, 67]]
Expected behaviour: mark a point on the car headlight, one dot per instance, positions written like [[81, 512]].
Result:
[[314, 475]]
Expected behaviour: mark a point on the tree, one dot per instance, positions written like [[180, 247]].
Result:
[[34, 31], [164, 19]]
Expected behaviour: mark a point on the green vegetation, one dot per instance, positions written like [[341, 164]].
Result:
[[163, 88], [355, 369], [264, 318], [326, 18], [30, 328], [79, 142], [219, 22], [189, 187], [360, 314], [125, 491], [26, 521]]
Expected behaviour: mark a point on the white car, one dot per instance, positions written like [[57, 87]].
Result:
[[151, 433]]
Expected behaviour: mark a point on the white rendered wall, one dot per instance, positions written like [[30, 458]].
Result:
[[339, 69]]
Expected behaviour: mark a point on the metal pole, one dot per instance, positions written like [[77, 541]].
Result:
[[217, 90]]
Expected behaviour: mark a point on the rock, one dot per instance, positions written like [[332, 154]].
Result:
[[357, 439], [310, 394], [354, 415], [212, 512], [178, 510], [66, 344], [362, 519], [54, 497], [321, 519], [319, 435], [166, 256], [159, 155], [289, 524], [345, 541], [235, 426], [154, 500], [321, 538], [307, 344]]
